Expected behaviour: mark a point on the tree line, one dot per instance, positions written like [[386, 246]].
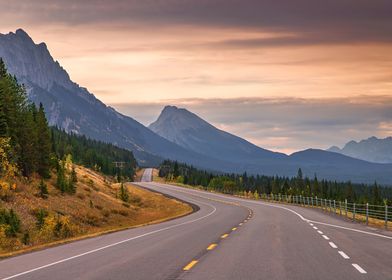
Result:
[[298, 185], [93, 154]]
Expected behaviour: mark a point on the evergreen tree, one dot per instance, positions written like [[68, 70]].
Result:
[[43, 189], [44, 143], [275, 186], [175, 170], [74, 175], [61, 180], [40, 216], [375, 194], [3, 69], [3, 120], [124, 194]]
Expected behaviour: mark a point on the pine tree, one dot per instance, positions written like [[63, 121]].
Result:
[[61, 180], [43, 143], [124, 194], [43, 189], [175, 170], [3, 69], [71, 186], [27, 140], [40, 216], [376, 194], [26, 238], [74, 175], [3, 120], [13, 222]]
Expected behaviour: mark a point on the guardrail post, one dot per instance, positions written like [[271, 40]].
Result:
[[354, 211], [367, 213], [334, 206], [386, 216], [345, 206], [340, 208], [316, 201], [312, 201]]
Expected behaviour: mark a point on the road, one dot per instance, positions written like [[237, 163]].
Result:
[[227, 238]]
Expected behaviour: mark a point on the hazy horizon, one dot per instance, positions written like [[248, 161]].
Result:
[[307, 77]]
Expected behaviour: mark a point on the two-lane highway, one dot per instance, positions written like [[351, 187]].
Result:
[[227, 238]]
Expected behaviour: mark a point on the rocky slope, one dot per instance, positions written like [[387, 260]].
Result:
[[372, 149]]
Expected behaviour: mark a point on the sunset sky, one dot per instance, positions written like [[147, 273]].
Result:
[[284, 74]]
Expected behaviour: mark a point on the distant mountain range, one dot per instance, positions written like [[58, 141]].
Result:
[[177, 134], [372, 149], [193, 133]]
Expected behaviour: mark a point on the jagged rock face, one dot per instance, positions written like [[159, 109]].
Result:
[[31, 62], [372, 149]]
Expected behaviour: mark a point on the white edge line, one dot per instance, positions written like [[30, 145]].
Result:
[[290, 210]]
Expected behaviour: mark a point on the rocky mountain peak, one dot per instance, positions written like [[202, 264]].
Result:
[[30, 62], [22, 34]]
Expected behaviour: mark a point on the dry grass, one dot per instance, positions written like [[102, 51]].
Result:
[[156, 178], [93, 210]]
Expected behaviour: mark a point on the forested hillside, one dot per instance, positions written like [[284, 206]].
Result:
[[299, 185], [93, 154]]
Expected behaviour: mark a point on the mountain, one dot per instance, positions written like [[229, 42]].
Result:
[[193, 133], [372, 149], [341, 168], [76, 110], [179, 134]]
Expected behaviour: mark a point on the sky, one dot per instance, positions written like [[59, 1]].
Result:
[[285, 75]]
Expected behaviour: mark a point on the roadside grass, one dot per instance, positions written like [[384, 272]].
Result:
[[155, 176], [93, 210]]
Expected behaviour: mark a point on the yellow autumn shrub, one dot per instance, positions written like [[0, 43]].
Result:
[[56, 227]]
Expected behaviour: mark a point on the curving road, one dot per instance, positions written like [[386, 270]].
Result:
[[227, 238]]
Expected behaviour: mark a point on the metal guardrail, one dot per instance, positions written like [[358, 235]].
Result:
[[376, 214]]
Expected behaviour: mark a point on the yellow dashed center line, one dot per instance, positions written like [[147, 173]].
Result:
[[240, 224], [211, 247], [224, 236], [190, 265], [234, 228]]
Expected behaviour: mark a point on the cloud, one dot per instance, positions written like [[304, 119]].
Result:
[[285, 124], [312, 21]]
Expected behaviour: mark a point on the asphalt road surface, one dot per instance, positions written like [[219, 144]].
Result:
[[227, 238]]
